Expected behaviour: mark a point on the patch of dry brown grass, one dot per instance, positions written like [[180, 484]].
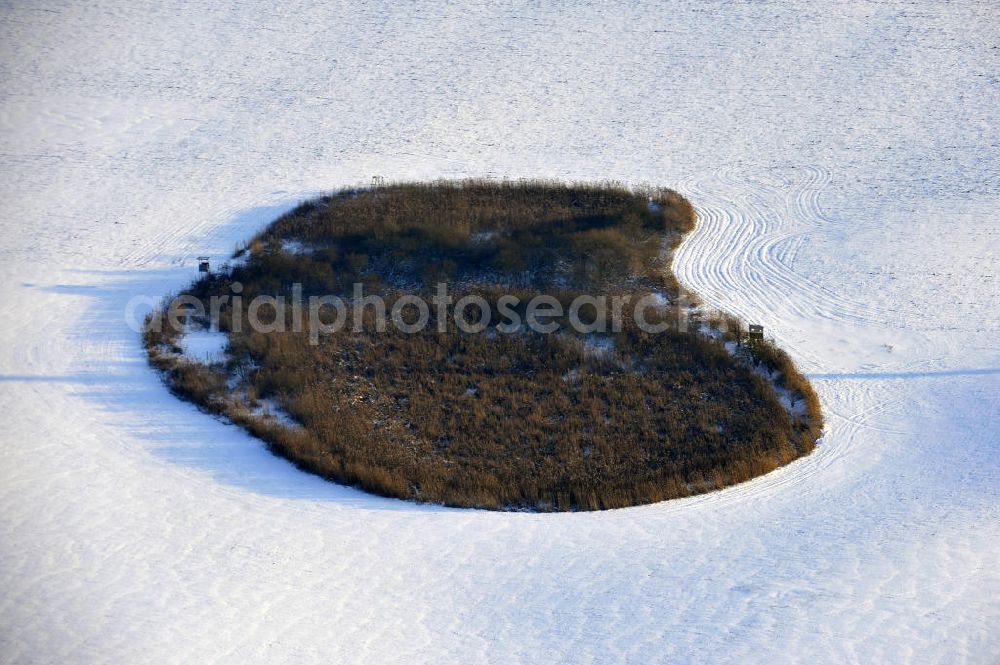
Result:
[[496, 420]]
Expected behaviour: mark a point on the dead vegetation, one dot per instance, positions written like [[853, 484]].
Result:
[[521, 420]]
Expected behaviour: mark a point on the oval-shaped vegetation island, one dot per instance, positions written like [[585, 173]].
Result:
[[493, 414]]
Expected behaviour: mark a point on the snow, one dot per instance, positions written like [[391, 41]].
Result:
[[269, 408], [844, 158], [598, 346], [295, 247], [204, 345], [483, 237]]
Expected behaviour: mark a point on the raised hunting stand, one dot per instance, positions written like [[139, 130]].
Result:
[[203, 264]]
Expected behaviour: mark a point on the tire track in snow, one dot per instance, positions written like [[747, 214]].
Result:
[[748, 236], [741, 255], [841, 433], [180, 237]]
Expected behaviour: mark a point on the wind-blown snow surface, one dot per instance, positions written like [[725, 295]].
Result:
[[845, 162]]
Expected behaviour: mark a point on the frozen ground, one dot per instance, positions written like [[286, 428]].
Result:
[[846, 162]]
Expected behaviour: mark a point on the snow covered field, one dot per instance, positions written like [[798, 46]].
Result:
[[845, 159]]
